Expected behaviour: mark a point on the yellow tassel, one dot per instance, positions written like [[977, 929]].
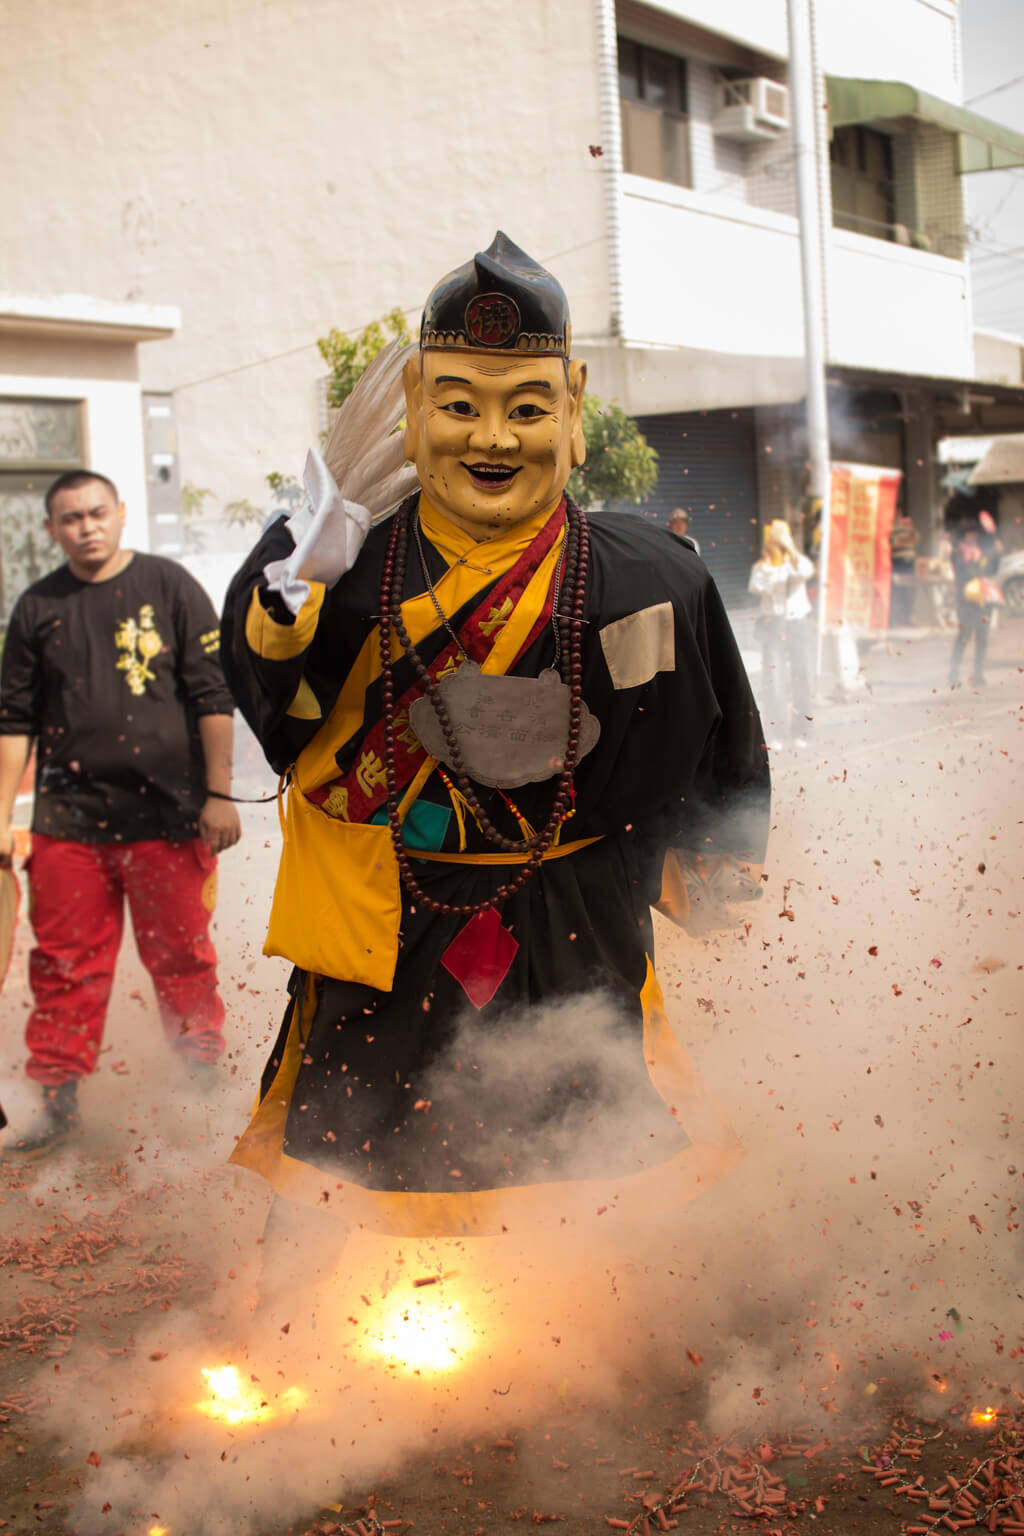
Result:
[[525, 829], [460, 805]]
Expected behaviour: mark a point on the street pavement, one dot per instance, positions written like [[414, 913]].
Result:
[[858, 1025], [903, 687]]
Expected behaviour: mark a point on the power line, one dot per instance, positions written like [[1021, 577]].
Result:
[[987, 282], [995, 249], [1010, 254], [994, 90], [983, 294], [356, 330], [998, 258]]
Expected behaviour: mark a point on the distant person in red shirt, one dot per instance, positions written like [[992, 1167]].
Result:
[[111, 668]]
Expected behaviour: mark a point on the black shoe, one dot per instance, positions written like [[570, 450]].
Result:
[[55, 1124]]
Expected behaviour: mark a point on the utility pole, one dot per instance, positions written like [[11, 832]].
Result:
[[803, 94]]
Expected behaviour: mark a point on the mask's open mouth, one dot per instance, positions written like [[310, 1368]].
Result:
[[491, 477]]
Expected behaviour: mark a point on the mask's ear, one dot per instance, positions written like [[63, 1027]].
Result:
[[577, 388], [412, 378]]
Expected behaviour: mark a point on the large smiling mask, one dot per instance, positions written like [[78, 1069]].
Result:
[[494, 405]]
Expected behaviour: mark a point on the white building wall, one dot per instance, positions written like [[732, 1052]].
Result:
[[999, 358], [719, 166], [708, 273], [915, 41], [759, 24], [276, 170], [717, 267], [911, 40], [898, 309]]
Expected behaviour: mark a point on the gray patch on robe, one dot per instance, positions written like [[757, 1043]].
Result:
[[510, 730]]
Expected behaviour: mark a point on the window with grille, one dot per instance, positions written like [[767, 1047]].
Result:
[[39, 439], [863, 182], [655, 124]]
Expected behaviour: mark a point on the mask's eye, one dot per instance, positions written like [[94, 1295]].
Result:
[[527, 412], [461, 408]]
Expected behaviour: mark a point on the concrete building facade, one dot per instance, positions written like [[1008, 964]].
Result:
[[199, 194]]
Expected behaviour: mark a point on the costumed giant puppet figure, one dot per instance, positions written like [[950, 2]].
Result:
[[508, 729]]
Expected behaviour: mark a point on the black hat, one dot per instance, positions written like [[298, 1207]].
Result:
[[501, 301]]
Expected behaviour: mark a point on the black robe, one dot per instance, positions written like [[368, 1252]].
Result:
[[418, 1091]]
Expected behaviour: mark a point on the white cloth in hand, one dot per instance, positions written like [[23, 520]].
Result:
[[328, 533]]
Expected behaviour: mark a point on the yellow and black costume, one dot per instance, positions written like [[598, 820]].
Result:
[[440, 1071]]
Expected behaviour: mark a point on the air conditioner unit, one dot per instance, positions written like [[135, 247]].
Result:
[[748, 110]]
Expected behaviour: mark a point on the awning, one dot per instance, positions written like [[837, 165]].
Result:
[[982, 145], [81, 317], [1002, 463], [650, 381]]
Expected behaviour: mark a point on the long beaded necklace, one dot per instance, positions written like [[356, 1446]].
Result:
[[569, 628]]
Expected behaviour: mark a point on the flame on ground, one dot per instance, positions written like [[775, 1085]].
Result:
[[982, 1416], [423, 1336], [234, 1402]]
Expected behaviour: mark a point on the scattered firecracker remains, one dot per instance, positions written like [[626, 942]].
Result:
[[987, 1494], [73, 1288], [74, 1265], [366, 1524]]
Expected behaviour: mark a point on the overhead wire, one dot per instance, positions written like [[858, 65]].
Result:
[[995, 90], [356, 330]]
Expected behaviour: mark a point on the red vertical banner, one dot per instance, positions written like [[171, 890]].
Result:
[[861, 512]]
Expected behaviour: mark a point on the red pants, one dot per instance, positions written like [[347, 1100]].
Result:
[[76, 893]]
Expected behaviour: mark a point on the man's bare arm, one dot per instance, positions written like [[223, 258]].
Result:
[[14, 751], [219, 825]]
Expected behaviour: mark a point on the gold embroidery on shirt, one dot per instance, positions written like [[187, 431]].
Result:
[[141, 642], [370, 772], [497, 618], [405, 733], [336, 803], [210, 641]]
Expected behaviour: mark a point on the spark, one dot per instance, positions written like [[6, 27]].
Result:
[[426, 1335], [236, 1403]]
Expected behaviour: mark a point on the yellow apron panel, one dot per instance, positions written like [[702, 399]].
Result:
[[337, 901]]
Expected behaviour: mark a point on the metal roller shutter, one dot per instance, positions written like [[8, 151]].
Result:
[[707, 463]]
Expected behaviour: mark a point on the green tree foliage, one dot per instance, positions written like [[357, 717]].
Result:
[[193, 510], [239, 514], [348, 356], [621, 465]]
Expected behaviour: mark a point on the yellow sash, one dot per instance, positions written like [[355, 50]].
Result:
[[337, 903]]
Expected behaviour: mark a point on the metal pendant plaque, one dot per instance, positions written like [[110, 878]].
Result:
[[511, 730]]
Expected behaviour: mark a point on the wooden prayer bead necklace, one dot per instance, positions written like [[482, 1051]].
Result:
[[569, 632]]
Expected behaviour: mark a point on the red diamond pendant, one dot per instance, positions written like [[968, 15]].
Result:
[[480, 955]]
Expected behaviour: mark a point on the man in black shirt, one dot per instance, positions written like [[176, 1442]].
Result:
[[111, 667]]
